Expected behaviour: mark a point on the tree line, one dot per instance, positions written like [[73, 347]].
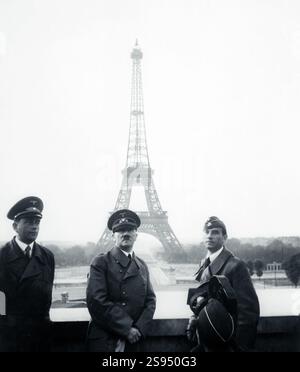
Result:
[[193, 253], [77, 255], [255, 256], [276, 251]]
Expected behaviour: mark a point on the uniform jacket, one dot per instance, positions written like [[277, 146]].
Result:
[[27, 287], [119, 296], [247, 302]]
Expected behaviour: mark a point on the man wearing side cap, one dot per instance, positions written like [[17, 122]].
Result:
[[26, 279], [220, 261], [120, 297]]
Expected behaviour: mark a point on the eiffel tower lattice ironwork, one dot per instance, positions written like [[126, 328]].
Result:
[[139, 173]]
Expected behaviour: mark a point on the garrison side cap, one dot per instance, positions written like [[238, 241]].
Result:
[[29, 206], [214, 222], [123, 219]]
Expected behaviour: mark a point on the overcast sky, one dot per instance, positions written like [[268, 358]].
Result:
[[221, 84]]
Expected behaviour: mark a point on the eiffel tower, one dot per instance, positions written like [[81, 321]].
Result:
[[138, 172]]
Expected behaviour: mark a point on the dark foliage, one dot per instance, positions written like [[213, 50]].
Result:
[[292, 269]]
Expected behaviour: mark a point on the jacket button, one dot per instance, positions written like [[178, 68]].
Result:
[[124, 293], [123, 303], [121, 271]]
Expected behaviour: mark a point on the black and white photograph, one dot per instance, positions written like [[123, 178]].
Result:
[[150, 182]]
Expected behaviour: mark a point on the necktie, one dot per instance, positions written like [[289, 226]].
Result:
[[129, 257], [206, 263], [27, 252], [202, 268]]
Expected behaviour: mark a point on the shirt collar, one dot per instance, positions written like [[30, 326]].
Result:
[[127, 253], [213, 256], [23, 245]]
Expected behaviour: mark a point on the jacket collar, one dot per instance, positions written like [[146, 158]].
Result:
[[37, 253], [213, 256], [120, 257], [33, 268], [15, 252], [215, 267], [219, 262]]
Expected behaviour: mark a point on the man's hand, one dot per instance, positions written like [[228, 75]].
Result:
[[134, 335], [2, 303], [191, 329]]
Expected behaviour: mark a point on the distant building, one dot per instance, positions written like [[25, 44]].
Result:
[[275, 266]]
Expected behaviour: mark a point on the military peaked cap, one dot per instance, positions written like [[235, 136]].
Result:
[[122, 220], [30, 206]]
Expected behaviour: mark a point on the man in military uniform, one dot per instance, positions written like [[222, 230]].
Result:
[[220, 261], [26, 279], [120, 297]]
